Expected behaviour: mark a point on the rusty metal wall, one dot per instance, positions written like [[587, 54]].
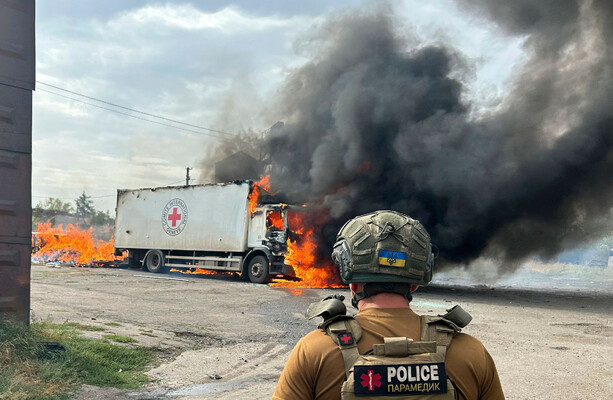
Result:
[[17, 77]]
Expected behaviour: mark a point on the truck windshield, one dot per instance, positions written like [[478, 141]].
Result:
[[275, 221]]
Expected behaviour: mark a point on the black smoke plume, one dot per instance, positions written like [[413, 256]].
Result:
[[377, 121]]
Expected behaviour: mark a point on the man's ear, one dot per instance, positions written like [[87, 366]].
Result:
[[414, 288], [355, 287]]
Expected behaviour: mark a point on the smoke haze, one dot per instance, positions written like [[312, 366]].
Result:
[[377, 121]]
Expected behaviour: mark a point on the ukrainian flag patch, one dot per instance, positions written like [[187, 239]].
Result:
[[392, 258]]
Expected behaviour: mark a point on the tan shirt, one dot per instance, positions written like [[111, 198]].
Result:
[[315, 368]]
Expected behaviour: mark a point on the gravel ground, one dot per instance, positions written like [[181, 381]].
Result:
[[222, 338]]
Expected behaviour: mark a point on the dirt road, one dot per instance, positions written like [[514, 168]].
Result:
[[546, 346]]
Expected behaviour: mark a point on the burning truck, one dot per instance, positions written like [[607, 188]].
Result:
[[219, 227]]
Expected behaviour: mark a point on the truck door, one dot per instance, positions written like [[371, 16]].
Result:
[[276, 229]]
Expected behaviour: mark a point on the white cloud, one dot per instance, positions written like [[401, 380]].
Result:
[[67, 107], [187, 17]]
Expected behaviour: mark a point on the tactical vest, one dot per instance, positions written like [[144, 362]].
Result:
[[399, 368]]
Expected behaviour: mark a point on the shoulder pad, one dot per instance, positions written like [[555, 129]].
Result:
[[455, 319], [458, 316], [327, 308], [442, 322]]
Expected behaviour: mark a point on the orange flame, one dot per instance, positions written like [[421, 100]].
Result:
[[254, 195], [264, 182], [200, 271], [72, 245], [274, 220], [301, 255]]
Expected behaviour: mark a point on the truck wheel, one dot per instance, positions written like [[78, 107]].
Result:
[[258, 270], [154, 261]]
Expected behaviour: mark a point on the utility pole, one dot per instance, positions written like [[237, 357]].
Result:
[[187, 178]]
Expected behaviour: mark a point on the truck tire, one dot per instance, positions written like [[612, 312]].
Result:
[[258, 270], [154, 261]]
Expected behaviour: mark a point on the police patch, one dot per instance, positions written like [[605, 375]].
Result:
[[392, 258], [396, 380]]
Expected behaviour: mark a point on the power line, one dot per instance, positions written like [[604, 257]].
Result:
[[97, 197], [130, 115], [133, 110]]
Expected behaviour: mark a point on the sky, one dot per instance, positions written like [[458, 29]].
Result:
[[212, 64]]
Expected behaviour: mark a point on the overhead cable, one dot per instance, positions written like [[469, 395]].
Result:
[[133, 110], [134, 116]]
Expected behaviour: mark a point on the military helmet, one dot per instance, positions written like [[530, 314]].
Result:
[[384, 246]]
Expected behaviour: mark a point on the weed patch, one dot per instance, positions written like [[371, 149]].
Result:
[[44, 361], [120, 339], [82, 327]]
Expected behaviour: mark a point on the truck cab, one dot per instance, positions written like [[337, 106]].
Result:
[[268, 234]]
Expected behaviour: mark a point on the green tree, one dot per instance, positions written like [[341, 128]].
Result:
[[55, 204], [101, 218], [85, 206]]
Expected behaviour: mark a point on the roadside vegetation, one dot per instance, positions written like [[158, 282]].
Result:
[[46, 361], [120, 339], [83, 210]]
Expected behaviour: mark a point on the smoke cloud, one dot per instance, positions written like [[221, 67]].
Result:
[[249, 143], [378, 121]]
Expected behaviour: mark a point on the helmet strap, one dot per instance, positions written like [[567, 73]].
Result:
[[370, 289]]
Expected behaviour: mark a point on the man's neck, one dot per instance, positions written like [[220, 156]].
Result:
[[383, 300]]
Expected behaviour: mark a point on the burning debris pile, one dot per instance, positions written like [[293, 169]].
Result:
[[71, 246], [374, 121]]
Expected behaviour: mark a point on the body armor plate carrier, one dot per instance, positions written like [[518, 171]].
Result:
[[398, 368]]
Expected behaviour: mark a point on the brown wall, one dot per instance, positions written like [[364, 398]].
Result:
[[17, 65]]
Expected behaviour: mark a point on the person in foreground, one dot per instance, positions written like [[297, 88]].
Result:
[[386, 350]]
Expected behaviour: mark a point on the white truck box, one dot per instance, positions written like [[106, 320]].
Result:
[[210, 218]]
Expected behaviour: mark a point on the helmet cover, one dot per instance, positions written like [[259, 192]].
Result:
[[384, 246]]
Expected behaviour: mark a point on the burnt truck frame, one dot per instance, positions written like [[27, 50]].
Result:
[[202, 226]]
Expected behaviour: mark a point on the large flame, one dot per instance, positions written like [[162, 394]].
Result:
[[72, 245], [254, 195], [302, 256]]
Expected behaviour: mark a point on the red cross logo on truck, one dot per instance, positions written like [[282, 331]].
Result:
[[174, 217]]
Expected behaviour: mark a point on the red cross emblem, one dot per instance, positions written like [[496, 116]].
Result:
[[174, 217], [371, 380], [346, 339]]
